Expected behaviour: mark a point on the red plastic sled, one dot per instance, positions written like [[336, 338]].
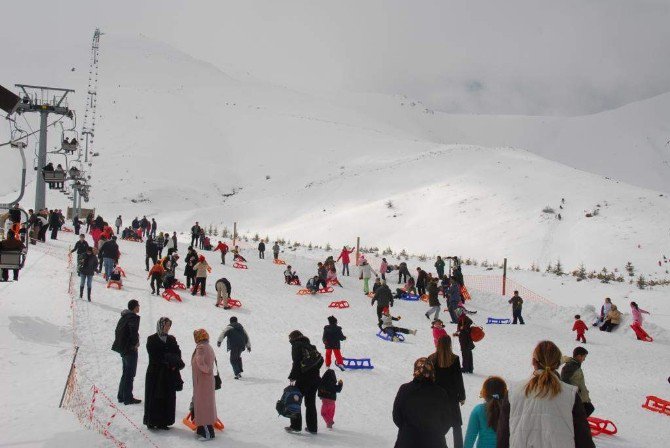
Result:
[[600, 426], [294, 282], [234, 303], [477, 334], [188, 421], [278, 261], [304, 292], [114, 282], [465, 293], [178, 285], [640, 333], [656, 404], [341, 304], [170, 294], [238, 265]]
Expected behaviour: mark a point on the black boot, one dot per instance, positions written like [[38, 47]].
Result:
[[88, 294], [81, 292]]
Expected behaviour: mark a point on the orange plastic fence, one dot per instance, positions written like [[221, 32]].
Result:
[[493, 284]]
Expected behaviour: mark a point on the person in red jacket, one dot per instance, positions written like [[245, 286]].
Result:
[[224, 250], [580, 327], [344, 256]]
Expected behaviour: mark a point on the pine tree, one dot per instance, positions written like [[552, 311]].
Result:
[[580, 273], [225, 232], [216, 231], [256, 237], [641, 282], [328, 248], [558, 269], [630, 269], [210, 230]]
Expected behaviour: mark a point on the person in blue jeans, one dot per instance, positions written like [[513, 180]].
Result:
[[88, 266], [484, 417], [126, 342]]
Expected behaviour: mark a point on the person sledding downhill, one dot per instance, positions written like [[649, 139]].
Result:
[[313, 285], [390, 329], [331, 278], [223, 247], [290, 276], [344, 256], [156, 274], [237, 256], [332, 336], [201, 269]]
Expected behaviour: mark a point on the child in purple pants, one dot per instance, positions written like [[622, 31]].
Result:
[[328, 390]]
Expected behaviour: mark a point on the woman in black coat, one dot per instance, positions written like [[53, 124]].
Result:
[[163, 379], [464, 334], [305, 374], [421, 411], [449, 377]]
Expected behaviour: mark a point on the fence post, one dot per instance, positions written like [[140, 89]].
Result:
[[358, 248], [504, 285], [67, 381], [234, 233]]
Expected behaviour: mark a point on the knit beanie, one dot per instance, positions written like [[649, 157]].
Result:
[[200, 335]]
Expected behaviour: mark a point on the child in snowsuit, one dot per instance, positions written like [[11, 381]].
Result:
[[390, 329], [329, 387], [332, 336], [465, 339], [438, 330], [313, 284], [580, 327]]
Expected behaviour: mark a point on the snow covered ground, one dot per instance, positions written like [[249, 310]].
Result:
[[37, 336]]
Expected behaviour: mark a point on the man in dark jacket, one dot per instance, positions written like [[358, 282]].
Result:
[[332, 335], [384, 299], [109, 252], [238, 340], [195, 233], [403, 273], [153, 227], [261, 250], [151, 252], [517, 303], [54, 223], [420, 410], [126, 342], [453, 299], [76, 223], [306, 378], [80, 247], [421, 277], [89, 264], [572, 373], [144, 225], [433, 301]]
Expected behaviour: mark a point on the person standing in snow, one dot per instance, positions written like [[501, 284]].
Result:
[[580, 327], [275, 250], [433, 300], [366, 272], [160, 244], [572, 373], [151, 252], [420, 410], [223, 289], [329, 387], [163, 379], [261, 250], [517, 303], [463, 331], [485, 416], [439, 267], [331, 278], [421, 279], [306, 363], [203, 361], [153, 227], [80, 247], [76, 223], [453, 299], [195, 234], [118, 223], [403, 273], [156, 274], [545, 411], [190, 261], [448, 377], [637, 313], [126, 342], [384, 299], [344, 256], [383, 267], [322, 273], [332, 336], [223, 247], [201, 269], [237, 342], [88, 266]]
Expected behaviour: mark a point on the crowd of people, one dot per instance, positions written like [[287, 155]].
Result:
[[548, 410]]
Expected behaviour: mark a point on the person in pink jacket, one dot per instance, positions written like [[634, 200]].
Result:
[[438, 330], [637, 313], [382, 268], [204, 400]]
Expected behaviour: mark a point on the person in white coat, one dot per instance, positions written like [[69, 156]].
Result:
[[543, 411], [366, 272]]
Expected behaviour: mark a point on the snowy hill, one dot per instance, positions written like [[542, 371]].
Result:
[[181, 140], [38, 336]]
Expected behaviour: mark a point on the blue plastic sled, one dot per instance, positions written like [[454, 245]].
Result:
[[386, 337], [358, 364], [410, 297], [495, 320]]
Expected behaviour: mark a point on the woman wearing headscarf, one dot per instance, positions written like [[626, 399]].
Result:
[[163, 379], [421, 410], [204, 402]]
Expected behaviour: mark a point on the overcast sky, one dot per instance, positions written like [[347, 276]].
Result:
[[518, 56]]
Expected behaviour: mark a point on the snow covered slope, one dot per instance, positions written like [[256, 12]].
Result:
[[37, 335], [183, 141]]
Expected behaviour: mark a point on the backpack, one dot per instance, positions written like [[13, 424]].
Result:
[[289, 403], [311, 359]]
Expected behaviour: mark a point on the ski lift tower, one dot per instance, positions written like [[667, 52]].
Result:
[[45, 101]]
